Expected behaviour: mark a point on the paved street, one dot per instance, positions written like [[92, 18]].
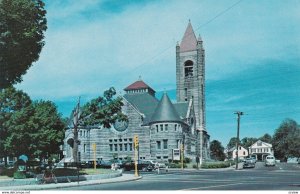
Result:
[[281, 177]]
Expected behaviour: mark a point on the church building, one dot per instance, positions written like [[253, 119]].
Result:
[[162, 126]]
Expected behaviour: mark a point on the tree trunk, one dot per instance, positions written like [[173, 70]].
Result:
[[75, 144]]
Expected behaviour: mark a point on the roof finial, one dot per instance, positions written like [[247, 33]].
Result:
[[140, 78], [189, 20]]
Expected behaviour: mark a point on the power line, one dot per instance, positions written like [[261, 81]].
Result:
[[219, 14], [171, 46]]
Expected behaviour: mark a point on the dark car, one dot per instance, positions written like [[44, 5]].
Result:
[[145, 165], [249, 163], [104, 164], [142, 165], [87, 164]]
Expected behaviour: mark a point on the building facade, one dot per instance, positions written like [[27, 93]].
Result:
[[162, 126], [260, 150], [242, 153]]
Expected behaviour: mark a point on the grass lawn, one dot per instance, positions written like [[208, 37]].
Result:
[[4, 177], [73, 171], [91, 171]]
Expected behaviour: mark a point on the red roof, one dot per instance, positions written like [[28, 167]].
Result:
[[189, 40], [137, 85]]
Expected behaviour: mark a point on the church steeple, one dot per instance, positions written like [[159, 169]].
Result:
[[189, 40], [190, 74]]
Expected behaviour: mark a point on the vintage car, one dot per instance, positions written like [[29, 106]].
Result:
[[270, 161], [249, 163]]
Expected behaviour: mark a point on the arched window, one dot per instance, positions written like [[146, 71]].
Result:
[[188, 68]]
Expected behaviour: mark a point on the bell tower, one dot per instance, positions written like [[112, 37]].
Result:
[[190, 74]]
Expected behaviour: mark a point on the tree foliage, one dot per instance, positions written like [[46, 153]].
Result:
[[246, 142], [286, 140], [266, 138], [32, 128], [104, 110], [22, 27], [217, 150], [11, 101], [232, 143]]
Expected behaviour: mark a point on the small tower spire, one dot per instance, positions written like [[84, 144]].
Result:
[[199, 38], [189, 40]]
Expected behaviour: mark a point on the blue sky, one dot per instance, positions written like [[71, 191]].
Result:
[[252, 56]]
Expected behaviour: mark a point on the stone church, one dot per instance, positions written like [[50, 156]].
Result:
[[162, 126]]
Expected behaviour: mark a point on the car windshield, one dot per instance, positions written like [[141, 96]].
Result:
[[270, 157]]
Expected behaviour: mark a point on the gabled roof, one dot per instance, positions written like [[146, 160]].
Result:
[[234, 148], [165, 111], [144, 103], [264, 144], [189, 40], [137, 85]]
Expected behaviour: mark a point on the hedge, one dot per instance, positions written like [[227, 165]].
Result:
[[216, 165]]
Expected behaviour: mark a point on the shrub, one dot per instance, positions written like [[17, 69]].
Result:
[[194, 165], [8, 172], [19, 175], [215, 165], [187, 160], [177, 165]]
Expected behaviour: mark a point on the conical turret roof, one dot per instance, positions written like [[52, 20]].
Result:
[[189, 40], [165, 111]]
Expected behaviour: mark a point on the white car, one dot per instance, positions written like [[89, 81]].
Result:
[[270, 161]]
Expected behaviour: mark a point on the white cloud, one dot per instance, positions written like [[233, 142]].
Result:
[[86, 55]]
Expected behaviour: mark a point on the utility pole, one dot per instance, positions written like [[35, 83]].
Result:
[[238, 137]]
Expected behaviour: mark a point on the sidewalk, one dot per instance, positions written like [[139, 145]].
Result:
[[123, 178]]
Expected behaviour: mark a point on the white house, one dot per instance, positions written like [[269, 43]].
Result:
[[260, 150], [242, 152]]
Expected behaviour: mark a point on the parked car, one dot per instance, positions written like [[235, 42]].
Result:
[[270, 161], [87, 164], [143, 165], [254, 159], [160, 165], [104, 164], [292, 160], [249, 163]]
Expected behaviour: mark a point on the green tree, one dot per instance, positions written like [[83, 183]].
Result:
[[217, 150], [232, 143], [36, 130], [266, 138], [104, 110], [22, 27], [286, 140], [11, 101], [246, 142], [26, 127]]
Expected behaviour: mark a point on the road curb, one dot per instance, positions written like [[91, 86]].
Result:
[[123, 178]]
